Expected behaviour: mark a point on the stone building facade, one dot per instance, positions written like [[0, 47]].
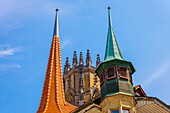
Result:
[[81, 83]]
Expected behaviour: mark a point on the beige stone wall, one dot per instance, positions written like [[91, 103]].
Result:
[[88, 82], [94, 108], [114, 102]]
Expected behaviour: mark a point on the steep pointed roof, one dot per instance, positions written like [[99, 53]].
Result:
[[56, 27], [66, 66], [88, 59], [112, 49], [74, 59], [53, 99], [81, 59], [98, 60]]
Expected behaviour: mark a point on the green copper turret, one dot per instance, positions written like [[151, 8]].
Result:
[[115, 73], [112, 48]]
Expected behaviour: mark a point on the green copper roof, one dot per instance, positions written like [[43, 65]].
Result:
[[112, 49]]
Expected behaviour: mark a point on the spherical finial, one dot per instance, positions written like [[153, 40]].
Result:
[[108, 8], [56, 9]]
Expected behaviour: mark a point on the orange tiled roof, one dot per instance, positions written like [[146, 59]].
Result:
[[53, 99]]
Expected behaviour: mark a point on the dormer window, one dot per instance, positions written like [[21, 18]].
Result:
[[130, 77], [110, 72], [101, 77], [123, 72]]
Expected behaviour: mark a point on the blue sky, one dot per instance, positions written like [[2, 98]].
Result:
[[142, 30]]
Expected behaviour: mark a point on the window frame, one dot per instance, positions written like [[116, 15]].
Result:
[[130, 77], [115, 74], [101, 82], [119, 67]]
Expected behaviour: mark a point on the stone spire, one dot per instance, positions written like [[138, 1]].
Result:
[[67, 66], [88, 59], [112, 49], [98, 60], [53, 98], [74, 59], [81, 59]]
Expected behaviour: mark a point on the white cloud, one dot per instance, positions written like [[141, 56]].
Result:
[[5, 50], [159, 73], [14, 13], [16, 9], [65, 43], [5, 67], [14, 26], [4, 45]]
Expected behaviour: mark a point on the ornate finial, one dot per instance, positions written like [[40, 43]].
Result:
[[81, 59], [67, 66], [98, 60], [75, 59], [88, 59]]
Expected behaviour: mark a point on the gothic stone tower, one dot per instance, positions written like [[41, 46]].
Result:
[[81, 82], [117, 95]]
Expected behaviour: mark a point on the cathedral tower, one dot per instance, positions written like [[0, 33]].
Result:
[[81, 82], [117, 95]]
